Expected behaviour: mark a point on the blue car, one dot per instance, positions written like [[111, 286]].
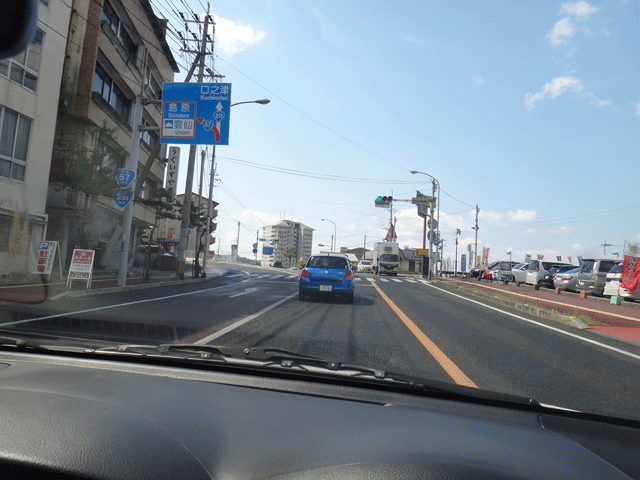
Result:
[[327, 274]]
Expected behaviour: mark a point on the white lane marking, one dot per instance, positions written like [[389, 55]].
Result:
[[396, 280], [409, 280], [224, 331], [248, 290], [384, 280], [278, 276], [237, 275], [558, 330], [106, 307], [426, 282]]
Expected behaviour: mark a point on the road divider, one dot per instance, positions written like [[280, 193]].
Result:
[[445, 362]]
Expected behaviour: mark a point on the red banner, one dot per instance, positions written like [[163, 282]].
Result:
[[630, 273]]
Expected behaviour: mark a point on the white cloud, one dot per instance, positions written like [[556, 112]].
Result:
[[560, 230], [233, 38], [331, 33], [478, 79], [559, 85], [561, 32], [530, 231], [254, 217], [580, 10], [504, 219], [605, 33], [565, 28]]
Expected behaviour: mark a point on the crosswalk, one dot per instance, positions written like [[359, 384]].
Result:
[[255, 276]]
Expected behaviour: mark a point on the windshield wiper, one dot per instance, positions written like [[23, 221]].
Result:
[[285, 359]]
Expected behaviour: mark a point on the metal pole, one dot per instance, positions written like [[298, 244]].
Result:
[[257, 239], [238, 243], [476, 229], [438, 229], [186, 213], [131, 164], [455, 271], [205, 259], [431, 256]]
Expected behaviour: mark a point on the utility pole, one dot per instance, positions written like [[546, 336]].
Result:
[[604, 247], [205, 258], [475, 253], [456, 261], [198, 235], [431, 230], [186, 213], [257, 240], [238, 243], [364, 248]]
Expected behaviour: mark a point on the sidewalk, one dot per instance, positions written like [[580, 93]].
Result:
[[103, 281], [622, 321]]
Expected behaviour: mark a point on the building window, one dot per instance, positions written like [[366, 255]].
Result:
[[6, 224], [110, 17], [23, 68], [151, 79], [106, 87], [14, 141], [149, 138]]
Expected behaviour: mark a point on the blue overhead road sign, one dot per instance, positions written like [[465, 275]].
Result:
[[196, 113]]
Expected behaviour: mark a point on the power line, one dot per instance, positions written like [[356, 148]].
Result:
[[321, 176], [313, 119]]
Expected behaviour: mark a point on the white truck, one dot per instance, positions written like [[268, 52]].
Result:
[[386, 258]]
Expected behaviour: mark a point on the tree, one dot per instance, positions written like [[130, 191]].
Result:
[[290, 252], [198, 218]]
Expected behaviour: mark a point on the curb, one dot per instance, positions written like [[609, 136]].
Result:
[[521, 307], [141, 286]]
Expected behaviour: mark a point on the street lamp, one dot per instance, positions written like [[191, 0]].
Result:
[[434, 182], [205, 259], [262, 101], [335, 237]]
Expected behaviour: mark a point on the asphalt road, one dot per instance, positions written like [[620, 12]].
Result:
[[399, 324]]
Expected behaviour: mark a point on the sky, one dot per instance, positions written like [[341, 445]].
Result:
[[529, 110]]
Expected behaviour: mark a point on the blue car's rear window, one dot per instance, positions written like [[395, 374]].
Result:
[[328, 262]]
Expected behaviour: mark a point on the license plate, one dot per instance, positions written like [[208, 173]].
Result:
[[325, 288]]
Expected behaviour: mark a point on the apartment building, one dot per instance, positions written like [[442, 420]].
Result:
[[116, 51], [29, 91], [284, 235]]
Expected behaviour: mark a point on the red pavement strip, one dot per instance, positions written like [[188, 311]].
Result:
[[618, 320]]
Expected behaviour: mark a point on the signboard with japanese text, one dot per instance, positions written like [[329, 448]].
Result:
[[81, 267], [173, 164], [122, 197], [46, 257], [196, 113], [422, 252], [463, 263], [267, 250], [630, 267]]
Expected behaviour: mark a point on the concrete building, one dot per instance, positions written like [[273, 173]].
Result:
[[284, 235], [116, 51], [29, 91]]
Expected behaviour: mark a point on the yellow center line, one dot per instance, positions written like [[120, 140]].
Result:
[[445, 362], [577, 307]]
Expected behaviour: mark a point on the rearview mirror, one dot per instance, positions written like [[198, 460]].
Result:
[[17, 25]]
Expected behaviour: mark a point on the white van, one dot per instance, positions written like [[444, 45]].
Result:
[[538, 269]]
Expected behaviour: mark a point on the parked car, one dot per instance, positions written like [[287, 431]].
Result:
[[519, 273], [365, 266], [139, 256], [538, 269], [327, 274], [550, 276], [612, 285], [277, 264], [567, 280], [592, 275]]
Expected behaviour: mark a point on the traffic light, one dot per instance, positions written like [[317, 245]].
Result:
[[384, 201]]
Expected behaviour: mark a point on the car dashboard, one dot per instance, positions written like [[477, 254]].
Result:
[[68, 416]]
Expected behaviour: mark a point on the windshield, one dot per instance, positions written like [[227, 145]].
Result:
[[315, 134]]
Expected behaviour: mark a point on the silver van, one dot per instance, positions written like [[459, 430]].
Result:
[[592, 275]]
